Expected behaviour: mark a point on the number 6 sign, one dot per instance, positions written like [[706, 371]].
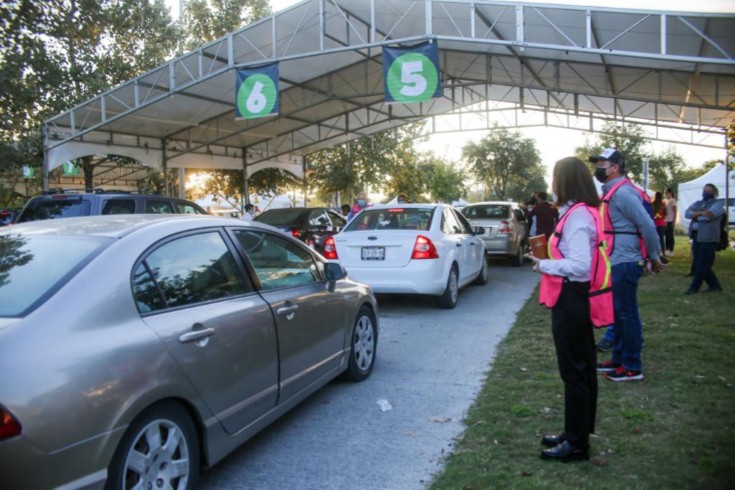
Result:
[[411, 74], [256, 92]]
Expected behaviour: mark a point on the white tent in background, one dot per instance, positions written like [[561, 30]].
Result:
[[690, 192]]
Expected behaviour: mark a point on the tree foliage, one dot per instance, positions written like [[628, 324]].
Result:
[[58, 53], [665, 169], [446, 182], [229, 183], [508, 164], [207, 20]]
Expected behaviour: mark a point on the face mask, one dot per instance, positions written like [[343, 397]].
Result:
[[601, 174], [708, 195], [361, 202]]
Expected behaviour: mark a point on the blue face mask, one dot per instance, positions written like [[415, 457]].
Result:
[[708, 195], [361, 202]]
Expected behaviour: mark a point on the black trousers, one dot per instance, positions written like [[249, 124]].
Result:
[[669, 235], [575, 353]]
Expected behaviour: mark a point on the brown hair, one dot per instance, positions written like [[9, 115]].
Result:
[[573, 182]]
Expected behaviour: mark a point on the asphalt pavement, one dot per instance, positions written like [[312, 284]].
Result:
[[392, 431]]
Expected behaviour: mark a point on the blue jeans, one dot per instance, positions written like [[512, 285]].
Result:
[[628, 327]]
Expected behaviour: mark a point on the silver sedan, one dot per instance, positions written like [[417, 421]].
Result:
[[134, 349]]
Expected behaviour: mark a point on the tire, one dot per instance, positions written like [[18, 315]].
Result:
[[363, 346], [448, 299], [517, 259], [481, 278], [137, 463]]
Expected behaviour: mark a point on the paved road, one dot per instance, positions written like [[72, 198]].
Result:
[[431, 363]]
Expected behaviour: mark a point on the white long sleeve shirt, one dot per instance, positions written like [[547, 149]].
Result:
[[577, 243]]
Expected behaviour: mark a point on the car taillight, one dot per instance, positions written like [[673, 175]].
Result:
[[296, 233], [329, 250], [9, 427], [505, 227], [424, 249]]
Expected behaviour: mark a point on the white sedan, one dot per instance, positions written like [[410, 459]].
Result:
[[411, 249]]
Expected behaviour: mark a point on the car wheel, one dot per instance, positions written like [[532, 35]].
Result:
[[362, 346], [481, 278], [448, 299], [160, 449], [517, 259]]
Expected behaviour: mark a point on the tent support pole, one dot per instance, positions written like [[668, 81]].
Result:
[[245, 192]]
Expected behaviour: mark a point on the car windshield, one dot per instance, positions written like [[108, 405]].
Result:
[[53, 207], [280, 217], [32, 266], [392, 219], [486, 211]]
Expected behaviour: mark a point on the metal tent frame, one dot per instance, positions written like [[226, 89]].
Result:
[[538, 64]]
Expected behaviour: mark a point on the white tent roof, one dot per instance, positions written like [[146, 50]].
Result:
[[540, 64]]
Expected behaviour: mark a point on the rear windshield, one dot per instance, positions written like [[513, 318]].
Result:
[[33, 266], [280, 217], [51, 207], [392, 219], [486, 211]]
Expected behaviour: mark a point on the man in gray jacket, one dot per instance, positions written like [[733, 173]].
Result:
[[631, 222], [705, 232]]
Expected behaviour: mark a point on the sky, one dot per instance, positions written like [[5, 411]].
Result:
[[555, 144]]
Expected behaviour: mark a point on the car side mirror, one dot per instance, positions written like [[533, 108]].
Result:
[[334, 271], [478, 230]]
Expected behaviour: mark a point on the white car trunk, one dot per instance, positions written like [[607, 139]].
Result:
[[375, 249]]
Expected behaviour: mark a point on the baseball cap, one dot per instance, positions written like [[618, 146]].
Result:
[[610, 154]]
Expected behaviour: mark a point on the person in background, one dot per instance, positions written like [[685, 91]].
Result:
[[631, 224], [705, 233], [571, 323], [345, 210], [359, 205], [670, 221], [659, 216], [248, 215], [530, 206], [546, 216], [401, 199]]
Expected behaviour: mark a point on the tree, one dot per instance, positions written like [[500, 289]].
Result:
[[206, 20], [665, 170], [59, 53], [379, 161], [446, 181], [229, 183], [629, 139], [508, 164]]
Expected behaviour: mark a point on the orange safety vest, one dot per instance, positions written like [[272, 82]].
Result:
[[607, 220], [601, 301]]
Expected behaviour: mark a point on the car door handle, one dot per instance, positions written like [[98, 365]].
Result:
[[288, 311], [196, 335], [459, 244]]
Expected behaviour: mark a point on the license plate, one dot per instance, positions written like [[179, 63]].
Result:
[[373, 253]]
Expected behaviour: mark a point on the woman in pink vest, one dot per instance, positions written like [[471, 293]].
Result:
[[566, 289]]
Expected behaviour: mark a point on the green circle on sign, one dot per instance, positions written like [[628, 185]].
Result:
[[256, 96], [412, 77]]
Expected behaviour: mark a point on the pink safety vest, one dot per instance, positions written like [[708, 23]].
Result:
[[607, 220], [601, 301]]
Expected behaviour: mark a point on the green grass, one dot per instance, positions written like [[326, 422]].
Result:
[[674, 430]]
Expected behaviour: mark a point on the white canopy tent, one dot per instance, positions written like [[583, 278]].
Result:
[[691, 192], [535, 64]]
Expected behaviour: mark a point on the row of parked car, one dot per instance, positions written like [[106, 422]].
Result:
[[137, 346]]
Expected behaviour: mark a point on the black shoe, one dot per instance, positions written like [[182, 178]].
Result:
[[690, 291], [712, 290], [604, 345], [565, 452], [552, 440]]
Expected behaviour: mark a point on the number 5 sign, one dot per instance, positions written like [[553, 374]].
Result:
[[256, 92], [411, 74]]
